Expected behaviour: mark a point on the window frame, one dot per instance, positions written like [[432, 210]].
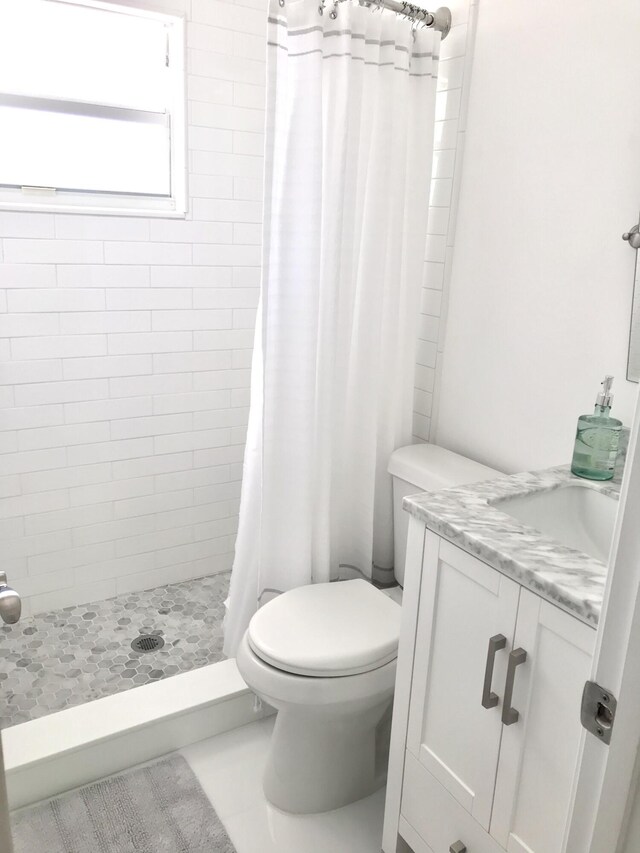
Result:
[[56, 200]]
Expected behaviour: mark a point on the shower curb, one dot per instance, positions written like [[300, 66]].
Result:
[[59, 752]]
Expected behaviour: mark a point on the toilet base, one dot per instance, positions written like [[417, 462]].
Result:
[[319, 761]]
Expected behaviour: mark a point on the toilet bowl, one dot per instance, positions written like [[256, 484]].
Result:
[[324, 656]]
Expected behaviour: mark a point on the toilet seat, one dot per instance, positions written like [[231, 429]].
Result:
[[279, 688], [327, 630]]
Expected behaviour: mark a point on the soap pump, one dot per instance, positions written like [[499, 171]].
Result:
[[597, 439]]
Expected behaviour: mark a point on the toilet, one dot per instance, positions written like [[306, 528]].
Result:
[[324, 656]]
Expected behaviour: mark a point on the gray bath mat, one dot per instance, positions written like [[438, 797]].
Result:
[[156, 809]]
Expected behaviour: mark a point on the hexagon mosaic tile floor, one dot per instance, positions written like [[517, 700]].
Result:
[[66, 657]]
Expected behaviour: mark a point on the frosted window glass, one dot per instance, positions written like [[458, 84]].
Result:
[[56, 50], [39, 148]]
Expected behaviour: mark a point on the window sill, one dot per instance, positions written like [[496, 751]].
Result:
[[94, 210]]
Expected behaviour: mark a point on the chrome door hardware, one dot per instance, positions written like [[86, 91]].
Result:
[[632, 236], [458, 847], [496, 643], [509, 714], [10, 604], [598, 711]]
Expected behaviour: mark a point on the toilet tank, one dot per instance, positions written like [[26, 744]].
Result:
[[426, 468]]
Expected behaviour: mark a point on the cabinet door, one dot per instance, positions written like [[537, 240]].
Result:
[[463, 603], [539, 752]]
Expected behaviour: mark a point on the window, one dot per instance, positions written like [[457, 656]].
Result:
[[91, 108]]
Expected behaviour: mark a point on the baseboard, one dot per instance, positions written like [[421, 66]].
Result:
[[59, 752]]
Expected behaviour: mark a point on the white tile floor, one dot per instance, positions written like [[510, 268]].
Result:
[[230, 768]]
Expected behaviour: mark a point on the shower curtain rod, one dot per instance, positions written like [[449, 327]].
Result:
[[439, 20]]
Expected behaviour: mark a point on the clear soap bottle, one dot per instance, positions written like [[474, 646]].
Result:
[[597, 439]]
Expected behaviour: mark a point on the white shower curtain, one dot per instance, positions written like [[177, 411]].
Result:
[[350, 121]]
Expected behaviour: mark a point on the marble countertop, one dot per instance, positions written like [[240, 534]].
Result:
[[470, 517]]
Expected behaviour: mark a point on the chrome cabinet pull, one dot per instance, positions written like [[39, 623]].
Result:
[[509, 714], [496, 643], [458, 847]]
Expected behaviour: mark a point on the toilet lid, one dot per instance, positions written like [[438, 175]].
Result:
[[328, 629]]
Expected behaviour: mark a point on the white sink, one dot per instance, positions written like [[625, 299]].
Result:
[[575, 515]]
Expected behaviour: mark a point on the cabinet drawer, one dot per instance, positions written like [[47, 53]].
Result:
[[437, 817]]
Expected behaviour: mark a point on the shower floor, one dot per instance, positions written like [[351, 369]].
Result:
[[67, 657]]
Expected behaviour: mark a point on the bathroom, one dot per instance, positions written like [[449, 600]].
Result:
[[147, 209]]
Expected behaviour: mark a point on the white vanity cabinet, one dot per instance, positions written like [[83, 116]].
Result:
[[490, 732]]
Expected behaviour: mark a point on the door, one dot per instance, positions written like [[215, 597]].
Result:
[[606, 773], [454, 720], [10, 609], [6, 844], [540, 749]]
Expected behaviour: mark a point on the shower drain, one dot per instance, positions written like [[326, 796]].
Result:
[[147, 643]]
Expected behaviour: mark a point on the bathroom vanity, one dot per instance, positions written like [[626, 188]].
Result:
[[497, 642]]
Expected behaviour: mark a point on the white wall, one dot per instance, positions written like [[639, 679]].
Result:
[[541, 283], [453, 86], [125, 349]]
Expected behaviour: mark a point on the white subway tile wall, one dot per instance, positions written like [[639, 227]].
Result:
[[453, 83], [125, 349]]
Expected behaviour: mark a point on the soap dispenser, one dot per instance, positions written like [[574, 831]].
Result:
[[597, 438]]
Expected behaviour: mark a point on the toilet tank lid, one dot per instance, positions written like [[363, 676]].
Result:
[[429, 467]]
